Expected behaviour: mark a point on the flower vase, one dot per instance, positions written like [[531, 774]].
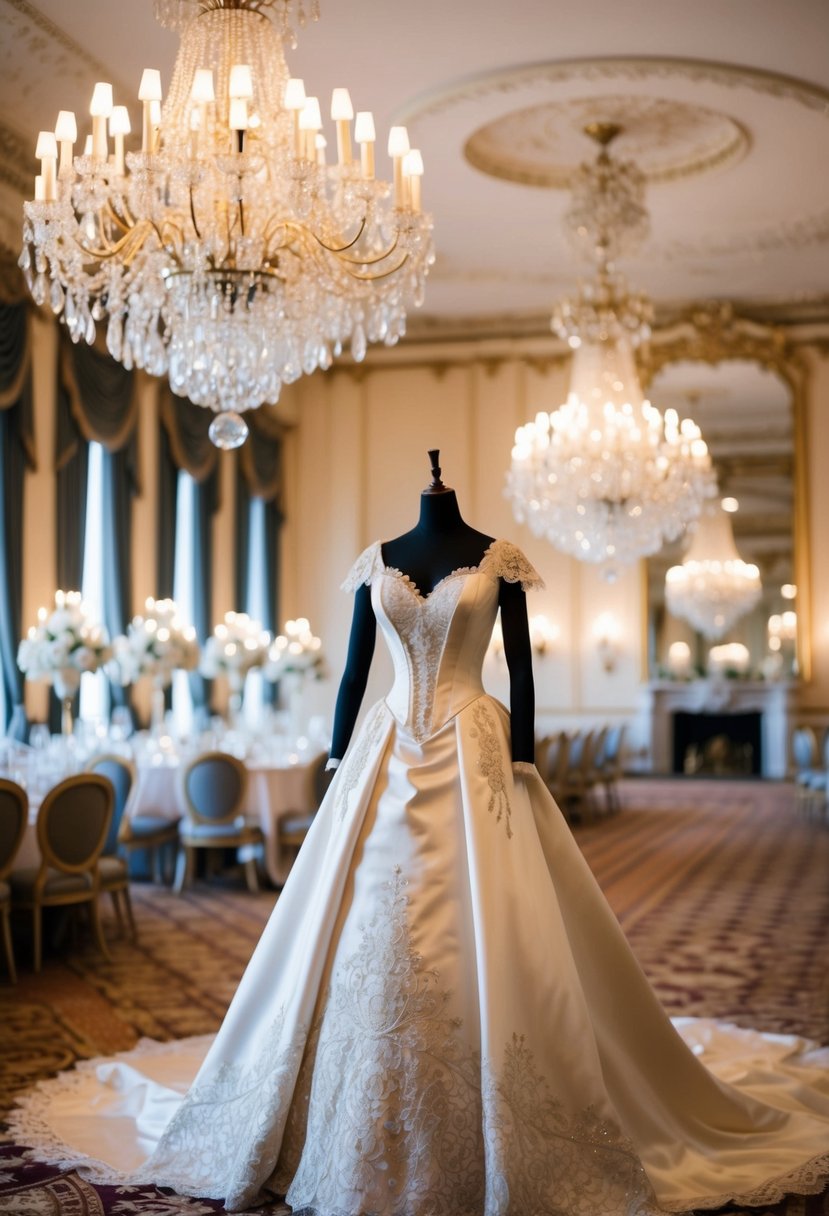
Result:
[[294, 688], [236, 683], [158, 709], [66, 684]]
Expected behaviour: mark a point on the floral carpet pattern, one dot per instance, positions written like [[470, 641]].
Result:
[[720, 887]]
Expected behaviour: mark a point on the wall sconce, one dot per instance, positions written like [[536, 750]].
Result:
[[543, 633], [543, 636], [679, 660], [607, 632]]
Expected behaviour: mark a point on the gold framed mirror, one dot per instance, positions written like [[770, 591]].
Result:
[[746, 387]]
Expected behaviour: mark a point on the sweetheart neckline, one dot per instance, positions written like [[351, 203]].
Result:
[[409, 582]]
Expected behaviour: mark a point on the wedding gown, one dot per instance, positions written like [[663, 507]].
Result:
[[443, 1017]]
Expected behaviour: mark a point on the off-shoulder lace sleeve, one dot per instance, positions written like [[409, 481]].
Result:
[[505, 560], [365, 567]]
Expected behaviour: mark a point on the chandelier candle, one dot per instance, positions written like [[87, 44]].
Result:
[[226, 254]]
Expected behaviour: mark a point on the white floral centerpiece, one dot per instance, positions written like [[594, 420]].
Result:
[[64, 644], [294, 657], [234, 648], [295, 652], [156, 644]]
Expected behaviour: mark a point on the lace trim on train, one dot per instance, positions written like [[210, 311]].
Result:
[[808, 1179]]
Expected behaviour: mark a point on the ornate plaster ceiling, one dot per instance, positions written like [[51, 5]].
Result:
[[735, 155]]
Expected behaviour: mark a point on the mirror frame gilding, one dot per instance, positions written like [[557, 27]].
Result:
[[715, 335]]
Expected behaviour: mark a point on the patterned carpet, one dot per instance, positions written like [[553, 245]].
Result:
[[721, 889]]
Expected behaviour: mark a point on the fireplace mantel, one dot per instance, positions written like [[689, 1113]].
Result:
[[774, 700]]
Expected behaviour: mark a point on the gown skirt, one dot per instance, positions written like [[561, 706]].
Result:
[[443, 1016]]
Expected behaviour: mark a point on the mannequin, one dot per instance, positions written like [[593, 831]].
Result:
[[439, 544]]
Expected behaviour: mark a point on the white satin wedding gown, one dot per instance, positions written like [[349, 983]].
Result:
[[442, 1017]]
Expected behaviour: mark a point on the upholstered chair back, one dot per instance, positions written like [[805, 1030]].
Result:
[[14, 813], [215, 785], [120, 772], [73, 821]]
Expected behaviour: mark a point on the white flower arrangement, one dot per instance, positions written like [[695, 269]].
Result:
[[296, 652], [156, 644], [63, 644], [234, 648]]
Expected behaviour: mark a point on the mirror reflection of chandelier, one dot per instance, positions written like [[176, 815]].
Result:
[[227, 254], [714, 587], [607, 478]]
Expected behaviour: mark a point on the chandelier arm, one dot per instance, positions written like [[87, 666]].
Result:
[[341, 248], [383, 274], [124, 224], [119, 246], [381, 257], [195, 222]]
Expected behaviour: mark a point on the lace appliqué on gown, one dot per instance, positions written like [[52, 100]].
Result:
[[491, 765], [423, 626], [550, 1161], [505, 560], [223, 1140], [369, 563], [355, 761], [388, 1080]]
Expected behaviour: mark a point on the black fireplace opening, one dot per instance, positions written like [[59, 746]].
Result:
[[718, 745]]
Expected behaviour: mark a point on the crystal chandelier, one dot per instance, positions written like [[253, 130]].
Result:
[[713, 587], [606, 477], [227, 254]]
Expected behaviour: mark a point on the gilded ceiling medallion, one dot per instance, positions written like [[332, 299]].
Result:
[[543, 145]]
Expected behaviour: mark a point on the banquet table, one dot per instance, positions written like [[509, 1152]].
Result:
[[274, 792]]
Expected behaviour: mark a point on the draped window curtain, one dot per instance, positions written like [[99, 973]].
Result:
[[259, 477], [16, 456], [185, 444], [97, 402]]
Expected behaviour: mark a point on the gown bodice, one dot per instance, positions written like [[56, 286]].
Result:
[[438, 641]]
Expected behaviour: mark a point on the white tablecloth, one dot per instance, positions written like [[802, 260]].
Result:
[[273, 793]]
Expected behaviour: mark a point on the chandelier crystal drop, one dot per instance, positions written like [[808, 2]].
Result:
[[714, 587], [228, 254], [607, 478]]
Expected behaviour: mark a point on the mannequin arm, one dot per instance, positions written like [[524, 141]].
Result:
[[518, 653], [355, 677]]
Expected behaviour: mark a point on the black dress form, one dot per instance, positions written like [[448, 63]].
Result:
[[439, 544]]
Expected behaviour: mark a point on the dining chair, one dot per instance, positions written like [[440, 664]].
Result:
[[113, 869], [155, 834], [14, 815], [580, 775], [215, 785], [612, 766], [806, 757], [556, 761], [72, 826], [295, 825]]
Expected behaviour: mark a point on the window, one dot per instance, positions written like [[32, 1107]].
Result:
[[94, 703], [184, 591]]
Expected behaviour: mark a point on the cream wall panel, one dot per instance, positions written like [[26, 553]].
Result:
[[39, 551], [815, 695]]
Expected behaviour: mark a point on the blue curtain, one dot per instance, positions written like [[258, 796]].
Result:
[[259, 477], [16, 455], [97, 403], [185, 444]]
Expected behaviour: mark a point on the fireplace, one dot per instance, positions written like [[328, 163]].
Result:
[[717, 744], [749, 719]]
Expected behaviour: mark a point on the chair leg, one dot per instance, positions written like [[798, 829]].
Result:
[[184, 868], [251, 875], [37, 934], [116, 904], [125, 892], [8, 946], [95, 918]]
